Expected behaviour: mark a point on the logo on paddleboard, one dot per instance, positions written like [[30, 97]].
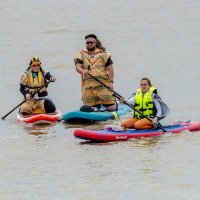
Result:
[[121, 137]]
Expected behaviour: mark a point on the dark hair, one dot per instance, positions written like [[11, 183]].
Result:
[[146, 79], [99, 44]]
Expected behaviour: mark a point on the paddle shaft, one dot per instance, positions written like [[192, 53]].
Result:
[[25, 100], [130, 105], [116, 94]]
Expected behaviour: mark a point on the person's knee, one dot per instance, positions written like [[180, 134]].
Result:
[[143, 124], [24, 109], [24, 112], [138, 125], [113, 107], [129, 123], [86, 108], [49, 106]]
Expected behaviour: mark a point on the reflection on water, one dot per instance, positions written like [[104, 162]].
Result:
[[145, 142], [98, 125], [37, 129], [98, 143], [78, 125]]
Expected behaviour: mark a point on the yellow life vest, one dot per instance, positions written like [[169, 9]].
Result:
[[97, 63], [144, 104], [33, 83]]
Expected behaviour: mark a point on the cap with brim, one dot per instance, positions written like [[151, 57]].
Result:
[[91, 36]]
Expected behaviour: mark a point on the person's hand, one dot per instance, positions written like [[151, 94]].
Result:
[[85, 73], [122, 100], [28, 96], [52, 79], [111, 86], [155, 121]]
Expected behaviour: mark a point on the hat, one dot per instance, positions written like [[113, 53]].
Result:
[[35, 60], [92, 36]]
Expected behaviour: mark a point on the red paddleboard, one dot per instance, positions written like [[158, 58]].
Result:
[[111, 135], [40, 118]]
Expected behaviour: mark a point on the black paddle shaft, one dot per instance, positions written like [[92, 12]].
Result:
[[120, 97], [25, 100]]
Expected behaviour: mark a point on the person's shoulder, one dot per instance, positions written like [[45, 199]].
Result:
[[155, 96], [43, 69], [24, 77], [106, 54], [81, 53], [155, 91], [78, 55], [26, 72]]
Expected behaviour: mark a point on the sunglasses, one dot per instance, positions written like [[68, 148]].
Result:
[[36, 65], [90, 42]]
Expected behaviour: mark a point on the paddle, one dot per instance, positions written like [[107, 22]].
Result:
[[130, 105], [26, 99]]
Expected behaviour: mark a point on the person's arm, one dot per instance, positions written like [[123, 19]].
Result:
[[23, 89], [158, 108], [25, 92], [79, 67], [131, 100], [110, 72], [158, 111], [49, 77], [80, 70], [23, 86], [156, 101]]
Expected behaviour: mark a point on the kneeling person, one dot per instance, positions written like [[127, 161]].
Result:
[[32, 80]]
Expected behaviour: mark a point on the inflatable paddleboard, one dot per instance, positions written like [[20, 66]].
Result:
[[78, 116], [40, 118], [111, 135]]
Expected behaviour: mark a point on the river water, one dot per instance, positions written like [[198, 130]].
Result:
[[155, 39]]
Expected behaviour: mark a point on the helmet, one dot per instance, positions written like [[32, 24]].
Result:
[[35, 60]]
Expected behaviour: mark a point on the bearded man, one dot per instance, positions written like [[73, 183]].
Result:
[[94, 59]]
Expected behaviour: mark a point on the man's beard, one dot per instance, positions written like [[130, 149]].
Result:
[[91, 49]]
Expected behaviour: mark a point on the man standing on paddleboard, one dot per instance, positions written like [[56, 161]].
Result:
[[95, 61]]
